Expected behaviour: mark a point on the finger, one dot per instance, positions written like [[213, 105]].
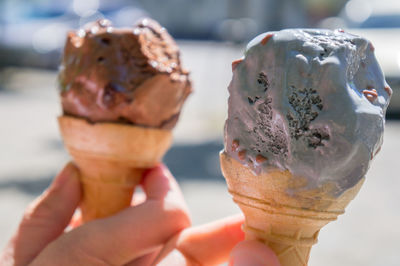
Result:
[[130, 234], [209, 244], [254, 253], [212, 243], [175, 257], [157, 188], [46, 218], [145, 260]]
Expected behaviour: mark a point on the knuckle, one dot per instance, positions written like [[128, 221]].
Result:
[[80, 250]]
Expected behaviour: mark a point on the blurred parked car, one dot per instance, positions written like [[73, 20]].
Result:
[[379, 22], [32, 34]]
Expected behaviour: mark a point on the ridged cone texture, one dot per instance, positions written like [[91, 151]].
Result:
[[287, 221], [111, 158]]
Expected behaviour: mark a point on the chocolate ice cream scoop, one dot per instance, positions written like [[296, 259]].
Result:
[[130, 75], [311, 102]]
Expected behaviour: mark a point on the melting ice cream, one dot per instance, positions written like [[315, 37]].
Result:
[[130, 75], [312, 102]]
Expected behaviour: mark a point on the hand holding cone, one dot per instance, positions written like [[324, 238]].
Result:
[[122, 90]]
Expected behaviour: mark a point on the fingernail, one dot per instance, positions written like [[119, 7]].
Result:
[[147, 171], [159, 167], [67, 174]]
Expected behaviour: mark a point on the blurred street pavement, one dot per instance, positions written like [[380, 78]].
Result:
[[31, 153]]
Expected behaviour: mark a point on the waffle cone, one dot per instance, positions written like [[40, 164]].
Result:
[[111, 158], [289, 224]]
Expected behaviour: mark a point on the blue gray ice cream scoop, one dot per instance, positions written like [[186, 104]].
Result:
[[309, 101]]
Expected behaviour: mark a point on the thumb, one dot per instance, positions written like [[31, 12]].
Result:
[[253, 253], [46, 218]]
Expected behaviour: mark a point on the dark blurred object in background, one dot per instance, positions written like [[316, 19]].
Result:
[[379, 22], [32, 33], [228, 20]]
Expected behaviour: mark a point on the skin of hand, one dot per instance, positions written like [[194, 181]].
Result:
[[155, 231]]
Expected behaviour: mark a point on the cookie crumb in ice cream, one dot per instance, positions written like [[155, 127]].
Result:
[[274, 140], [235, 145], [266, 38], [235, 63], [371, 47], [242, 155], [316, 137], [260, 158], [306, 104], [263, 80], [388, 90], [370, 94]]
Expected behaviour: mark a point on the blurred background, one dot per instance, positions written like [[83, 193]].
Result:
[[211, 34]]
